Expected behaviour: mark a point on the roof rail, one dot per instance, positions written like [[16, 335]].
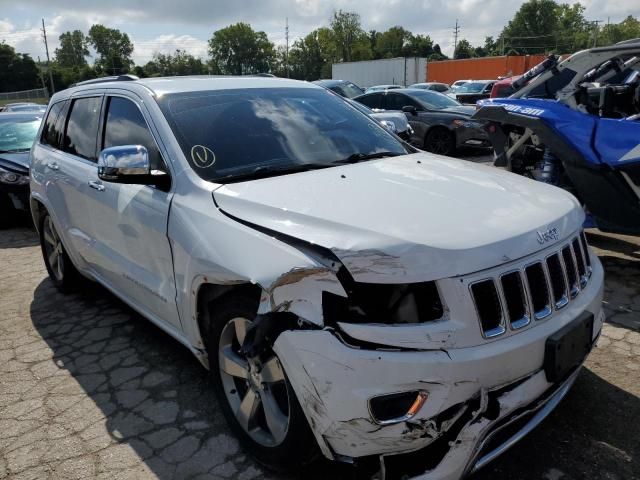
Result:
[[116, 78]]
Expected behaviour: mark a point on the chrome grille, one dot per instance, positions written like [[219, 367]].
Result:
[[533, 291]]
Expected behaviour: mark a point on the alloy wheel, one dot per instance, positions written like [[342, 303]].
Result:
[[439, 142], [53, 249], [255, 387]]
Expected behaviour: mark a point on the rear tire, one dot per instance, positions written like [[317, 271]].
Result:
[[440, 141], [237, 383], [61, 270]]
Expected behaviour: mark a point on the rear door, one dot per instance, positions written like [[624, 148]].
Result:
[[69, 165], [129, 222]]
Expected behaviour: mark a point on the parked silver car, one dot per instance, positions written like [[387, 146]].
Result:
[[351, 297], [434, 86]]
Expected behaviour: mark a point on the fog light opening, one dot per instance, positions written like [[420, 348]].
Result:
[[396, 407]]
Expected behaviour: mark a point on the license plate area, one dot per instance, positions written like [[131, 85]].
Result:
[[568, 347]]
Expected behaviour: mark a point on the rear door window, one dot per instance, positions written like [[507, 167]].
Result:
[[372, 101], [82, 127], [51, 131], [125, 125]]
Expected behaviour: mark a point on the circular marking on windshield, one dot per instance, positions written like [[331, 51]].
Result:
[[203, 157]]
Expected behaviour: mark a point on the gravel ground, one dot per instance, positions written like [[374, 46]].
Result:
[[89, 389]]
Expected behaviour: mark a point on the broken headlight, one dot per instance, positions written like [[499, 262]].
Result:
[[384, 303]]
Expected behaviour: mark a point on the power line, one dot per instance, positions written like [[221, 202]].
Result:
[[286, 52]]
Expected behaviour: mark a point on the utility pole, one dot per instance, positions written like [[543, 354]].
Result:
[[456, 31], [46, 47], [286, 52], [40, 71], [595, 32]]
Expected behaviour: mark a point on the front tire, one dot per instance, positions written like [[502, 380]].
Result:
[[61, 271], [440, 141], [255, 395]]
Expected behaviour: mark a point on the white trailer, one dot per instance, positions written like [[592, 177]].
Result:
[[400, 71]]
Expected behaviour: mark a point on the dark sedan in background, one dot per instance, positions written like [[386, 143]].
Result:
[[472, 91], [17, 132], [440, 124], [343, 88]]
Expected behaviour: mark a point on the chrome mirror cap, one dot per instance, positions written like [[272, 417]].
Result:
[[121, 163]]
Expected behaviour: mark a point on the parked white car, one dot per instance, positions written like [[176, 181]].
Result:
[[348, 294]]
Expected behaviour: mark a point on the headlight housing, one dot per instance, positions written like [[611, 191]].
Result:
[[465, 123], [384, 303], [12, 178]]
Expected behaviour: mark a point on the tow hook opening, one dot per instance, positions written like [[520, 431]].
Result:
[[396, 407]]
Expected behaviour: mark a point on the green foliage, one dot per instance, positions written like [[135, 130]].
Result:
[[18, 71], [391, 43], [239, 50], [178, 63], [114, 50], [464, 50], [73, 49], [627, 29], [348, 37]]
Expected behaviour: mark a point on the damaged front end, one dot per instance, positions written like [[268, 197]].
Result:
[[380, 335]]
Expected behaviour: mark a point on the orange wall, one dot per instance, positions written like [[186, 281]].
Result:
[[488, 68]]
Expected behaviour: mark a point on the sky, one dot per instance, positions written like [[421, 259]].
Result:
[[165, 25]]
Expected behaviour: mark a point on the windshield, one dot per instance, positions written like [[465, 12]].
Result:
[[471, 87], [434, 100], [28, 108], [350, 90], [226, 134], [18, 134]]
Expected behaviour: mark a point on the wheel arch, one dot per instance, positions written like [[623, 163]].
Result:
[[210, 294]]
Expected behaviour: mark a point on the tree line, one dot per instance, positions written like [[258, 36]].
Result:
[[539, 26]]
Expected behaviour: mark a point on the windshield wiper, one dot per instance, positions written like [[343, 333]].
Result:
[[17, 150], [361, 157], [265, 171]]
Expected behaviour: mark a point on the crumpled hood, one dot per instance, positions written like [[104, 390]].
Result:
[[413, 218], [18, 162]]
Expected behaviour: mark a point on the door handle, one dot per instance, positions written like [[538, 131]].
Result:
[[53, 166], [96, 185]]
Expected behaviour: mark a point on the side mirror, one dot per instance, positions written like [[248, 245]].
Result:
[[129, 164], [410, 109]]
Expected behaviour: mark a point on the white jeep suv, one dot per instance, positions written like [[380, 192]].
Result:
[[350, 295]]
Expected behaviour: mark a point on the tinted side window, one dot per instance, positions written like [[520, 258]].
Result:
[[396, 101], [51, 130], [82, 127], [125, 125], [440, 88], [372, 101]]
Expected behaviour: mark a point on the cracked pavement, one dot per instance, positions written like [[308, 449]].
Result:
[[89, 389]]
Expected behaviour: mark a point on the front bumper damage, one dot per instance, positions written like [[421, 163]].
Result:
[[476, 394]]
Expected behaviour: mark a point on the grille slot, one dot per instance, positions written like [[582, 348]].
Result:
[[485, 295], [537, 281], [582, 268], [516, 300], [532, 291], [558, 282], [585, 249], [570, 269]]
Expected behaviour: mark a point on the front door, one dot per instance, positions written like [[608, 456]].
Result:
[[129, 228]]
